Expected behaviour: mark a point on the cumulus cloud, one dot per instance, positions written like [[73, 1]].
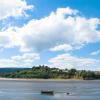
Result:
[[64, 26], [66, 11], [56, 29], [25, 60], [65, 47], [95, 52], [26, 57], [10, 38], [69, 61], [13, 8]]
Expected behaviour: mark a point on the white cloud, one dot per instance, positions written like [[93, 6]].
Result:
[[26, 57], [25, 60], [66, 11], [57, 29], [13, 8], [69, 61], [10, 38], [65, 47], [95, 52], [51, 31]]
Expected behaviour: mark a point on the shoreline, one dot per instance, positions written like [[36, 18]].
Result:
[[22, 79], [26, 79]]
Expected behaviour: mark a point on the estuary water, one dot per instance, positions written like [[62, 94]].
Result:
[[30, 90]]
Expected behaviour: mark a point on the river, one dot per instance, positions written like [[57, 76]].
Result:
[[30, 90]]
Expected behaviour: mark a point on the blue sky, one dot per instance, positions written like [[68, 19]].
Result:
[[57, 33]]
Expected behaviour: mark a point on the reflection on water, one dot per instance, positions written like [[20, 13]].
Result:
[[31, 90]]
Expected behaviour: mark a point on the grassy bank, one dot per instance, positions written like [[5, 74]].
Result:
[[45, 72]]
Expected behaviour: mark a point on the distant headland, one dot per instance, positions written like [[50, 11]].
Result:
[[45, 72]]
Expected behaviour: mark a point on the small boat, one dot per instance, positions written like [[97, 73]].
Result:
[[47, 92], [68, 93]]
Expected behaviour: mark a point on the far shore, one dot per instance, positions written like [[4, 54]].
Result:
[[25, 79]]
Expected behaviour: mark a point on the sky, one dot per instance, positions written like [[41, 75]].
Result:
[[57, 33]]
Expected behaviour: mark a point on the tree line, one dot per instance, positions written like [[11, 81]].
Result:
[[45, 72]]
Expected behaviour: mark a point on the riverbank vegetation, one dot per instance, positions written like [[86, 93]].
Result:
[[45, 72]]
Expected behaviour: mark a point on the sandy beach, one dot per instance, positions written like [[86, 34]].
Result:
[[24, 79]]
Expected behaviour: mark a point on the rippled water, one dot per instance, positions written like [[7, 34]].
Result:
[[30, 90]]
